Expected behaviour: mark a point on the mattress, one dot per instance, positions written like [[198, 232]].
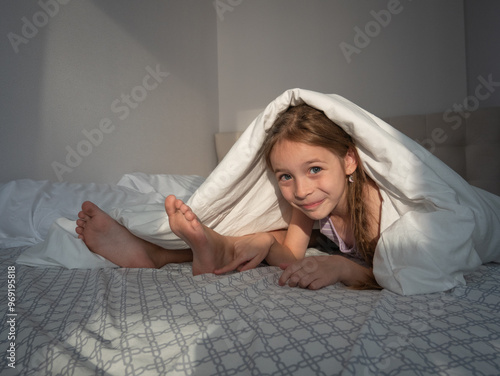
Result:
[[165, 321]]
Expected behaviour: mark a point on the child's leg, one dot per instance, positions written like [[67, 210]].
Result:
[[106, 237]]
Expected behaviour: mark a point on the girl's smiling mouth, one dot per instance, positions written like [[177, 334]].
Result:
[[311, 206]]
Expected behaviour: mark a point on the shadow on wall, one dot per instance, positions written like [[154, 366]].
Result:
[[64, 66], [20, 83], [143, 24]]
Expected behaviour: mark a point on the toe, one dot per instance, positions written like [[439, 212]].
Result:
[[89, 209], [170, 204], [179, 204], [190, 216]]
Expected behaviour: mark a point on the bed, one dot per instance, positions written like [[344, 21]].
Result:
[[114, 321]]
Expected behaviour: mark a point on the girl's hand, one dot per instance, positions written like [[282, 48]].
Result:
[[249, 252], [314, 272]]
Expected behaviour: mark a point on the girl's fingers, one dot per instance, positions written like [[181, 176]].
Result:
[[288, 273], [228, 268], [233, 265], [250, 265]]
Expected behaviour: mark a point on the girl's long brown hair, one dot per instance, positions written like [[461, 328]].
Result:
[[308, 125]]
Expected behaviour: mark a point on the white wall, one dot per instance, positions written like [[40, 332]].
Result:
[[61, 79], [414, 61], [225, 63], [482, 22]]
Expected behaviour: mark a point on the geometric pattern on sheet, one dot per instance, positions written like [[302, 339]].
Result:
[[154, 322], [455, 332]]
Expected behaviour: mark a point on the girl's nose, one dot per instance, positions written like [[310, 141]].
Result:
[[302, 188]]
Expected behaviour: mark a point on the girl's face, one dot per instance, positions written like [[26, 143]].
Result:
[[312, 178]]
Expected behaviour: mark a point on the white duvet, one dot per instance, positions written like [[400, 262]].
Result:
[[435, 227]]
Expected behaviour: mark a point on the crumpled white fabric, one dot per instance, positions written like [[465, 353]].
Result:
[[435, 226], [72, 252]]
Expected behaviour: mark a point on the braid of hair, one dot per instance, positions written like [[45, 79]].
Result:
[[359, 222], [358, 215]]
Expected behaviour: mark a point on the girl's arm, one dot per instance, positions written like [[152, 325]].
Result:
[[295, 243], [250, 250]]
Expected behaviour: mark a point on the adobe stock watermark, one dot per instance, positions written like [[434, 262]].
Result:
[[223, 6], [245, 330], [458, 112], [372, 29], [11, 316], [406, 331], [121, 107], [30, 26]]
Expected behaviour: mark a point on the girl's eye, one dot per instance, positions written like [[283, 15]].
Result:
[[315, 170], [285, 177]]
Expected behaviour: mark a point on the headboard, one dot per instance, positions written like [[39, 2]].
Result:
[[224, 141], [468, 142]]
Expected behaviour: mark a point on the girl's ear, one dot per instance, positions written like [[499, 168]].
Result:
[[350, 162]]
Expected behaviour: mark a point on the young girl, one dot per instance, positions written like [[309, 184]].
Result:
[[319, 174], [417, 225]]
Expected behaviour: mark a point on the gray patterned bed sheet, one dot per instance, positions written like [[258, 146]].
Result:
[[167, 322]]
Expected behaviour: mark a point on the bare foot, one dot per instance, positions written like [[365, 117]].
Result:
[[106, 237], [210, 250]]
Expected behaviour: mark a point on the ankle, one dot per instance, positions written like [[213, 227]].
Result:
[[224, 246]]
